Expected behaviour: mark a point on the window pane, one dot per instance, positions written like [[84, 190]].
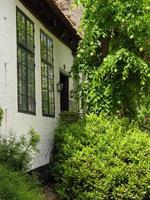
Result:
[[22, 92], [24, 103], [44, 102], [31, 105], [21, 27], [44, 89], [30, 90], [43, 47], [50, 72], [21, 56], [31, 82], [31, 68], [30, 36], [20, 104], [49, 51]]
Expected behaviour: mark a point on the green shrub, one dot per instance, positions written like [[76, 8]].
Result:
[[102, 159], [16, 186], [16, 153]]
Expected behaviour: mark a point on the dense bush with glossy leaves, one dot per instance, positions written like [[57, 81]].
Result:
[[99, 158]]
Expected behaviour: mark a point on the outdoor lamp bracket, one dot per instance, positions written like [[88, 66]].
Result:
[[59, 86], [72, 93]]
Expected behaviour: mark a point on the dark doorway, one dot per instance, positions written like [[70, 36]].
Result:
[[64, 94]]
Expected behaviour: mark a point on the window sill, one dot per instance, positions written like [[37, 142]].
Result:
[[50, 116], [27, 112]]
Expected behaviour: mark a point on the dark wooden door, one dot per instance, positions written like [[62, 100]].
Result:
[[64, 94]]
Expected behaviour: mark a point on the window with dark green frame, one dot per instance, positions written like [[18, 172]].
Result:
[[25, 64], [47, 76]]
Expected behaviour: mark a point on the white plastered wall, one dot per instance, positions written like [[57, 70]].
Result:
[[14, 121]]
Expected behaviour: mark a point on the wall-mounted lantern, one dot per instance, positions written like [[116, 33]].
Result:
[[59, 86], [72, 93]]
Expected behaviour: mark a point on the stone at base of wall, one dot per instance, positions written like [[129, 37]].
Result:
[[70, 117]]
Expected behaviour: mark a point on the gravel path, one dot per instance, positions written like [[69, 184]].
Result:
[[49, 193]]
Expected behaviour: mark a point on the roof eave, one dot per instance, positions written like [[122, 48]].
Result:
[[51, 16]]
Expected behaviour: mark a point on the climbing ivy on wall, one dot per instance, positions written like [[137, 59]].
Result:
[[114, 56]]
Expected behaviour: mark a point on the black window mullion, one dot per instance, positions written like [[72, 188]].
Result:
[[48, 84], [26, 48], [46, 49], [27, 82], [26, 65], [53, 77]]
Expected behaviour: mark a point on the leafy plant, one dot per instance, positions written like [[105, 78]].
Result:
[[16, 153], [18, 186], [120, 86], [113, 57], [102, 158]]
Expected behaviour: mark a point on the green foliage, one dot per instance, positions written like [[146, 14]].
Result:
[[99, 158], [114, 56], [16, 153], [119, 86], [17, 186]]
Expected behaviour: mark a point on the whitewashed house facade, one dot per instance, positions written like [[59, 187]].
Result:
[[36, 53]]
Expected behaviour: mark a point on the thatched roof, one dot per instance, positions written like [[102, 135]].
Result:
[[71, 12]]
